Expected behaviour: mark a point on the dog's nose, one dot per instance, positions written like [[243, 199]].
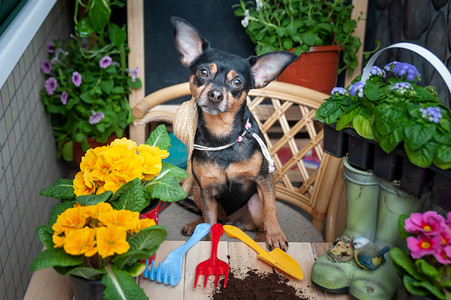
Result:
[[215, 96]]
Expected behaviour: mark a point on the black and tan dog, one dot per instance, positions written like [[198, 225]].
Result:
[[233, 184]]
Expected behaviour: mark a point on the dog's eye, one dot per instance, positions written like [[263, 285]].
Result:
[[237, 82], [203, 73]]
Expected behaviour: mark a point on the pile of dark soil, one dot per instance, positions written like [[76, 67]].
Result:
[[261, 286]]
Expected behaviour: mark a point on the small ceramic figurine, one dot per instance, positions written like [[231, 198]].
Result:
[[367, 254]]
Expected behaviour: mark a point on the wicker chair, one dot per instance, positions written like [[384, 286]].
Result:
[[285, 114]]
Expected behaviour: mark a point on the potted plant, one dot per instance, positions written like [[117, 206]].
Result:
[[87, 81], [315, 30], [95, 232], [426, 267]]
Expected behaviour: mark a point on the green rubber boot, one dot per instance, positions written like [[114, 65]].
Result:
[[384, 282], [333, 271]]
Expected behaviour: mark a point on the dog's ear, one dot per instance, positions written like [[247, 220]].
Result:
[[267, 67], [188, 40]]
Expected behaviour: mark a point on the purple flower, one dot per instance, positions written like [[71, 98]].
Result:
[[64, 98], [96, 117], [76, 78], [376, 71], [46, 67], [402, 85], [50, 47], [338, 90], [50, 85], [357, 88], [105, 62], [134, 73], [432, 114], [403, 69]]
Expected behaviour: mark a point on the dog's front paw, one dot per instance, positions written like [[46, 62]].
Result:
[[276, 240], [188, 229]]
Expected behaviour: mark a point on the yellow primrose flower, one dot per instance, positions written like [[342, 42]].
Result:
[[100, 208], [113, 182], [58, 240], [83, 185], [131, 145], [123, 218], [100, 169], [144, 223], [129, 170], [111, 240], [118, 153], [70, 220], [152, 157], [81, 241], [88, 160]]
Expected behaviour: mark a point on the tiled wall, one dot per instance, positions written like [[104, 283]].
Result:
[[27, 157]]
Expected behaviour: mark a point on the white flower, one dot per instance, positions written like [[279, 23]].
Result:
[[259, 4], [245, 21]]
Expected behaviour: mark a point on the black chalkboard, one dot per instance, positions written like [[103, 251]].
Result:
[[216, 21]]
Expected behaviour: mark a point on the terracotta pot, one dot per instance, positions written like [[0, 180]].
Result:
[[316, 70]]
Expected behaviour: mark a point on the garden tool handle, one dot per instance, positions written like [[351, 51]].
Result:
[[425, 53], [216, 232], [199, 233], [235, 232]]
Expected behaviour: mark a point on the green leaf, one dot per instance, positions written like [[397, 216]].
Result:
[[84, 28], [430, 287], [401, 226], [409, 284], [387, 118], [45, 234], [423, 156], [165, 186], [93, 199], [389, 142], [442, 158], [55, 257], [116, 34], [87, 98], [373, 92], [131, 257], [159, 138], [120, 285], [68, 151], [107, 86], [148, 238], [346, 119], [428, 270], [309, 37], [99, 14], [363, 127], [137, 84], [86, 272], [133, 197], [61, 189], [417, 134], [404, 261]]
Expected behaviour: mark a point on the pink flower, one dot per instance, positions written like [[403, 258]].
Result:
[[105, 62], [443, 255], [96, 117], [46, 67], [430, 223], [134, 73], [50, 47], [423, 245], [50, 85], [76, 78], [445, 237], [64, 98]]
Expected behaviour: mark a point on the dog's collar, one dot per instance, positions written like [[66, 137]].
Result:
[[248, 132]]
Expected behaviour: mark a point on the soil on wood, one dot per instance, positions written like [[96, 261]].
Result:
[[261, 286]]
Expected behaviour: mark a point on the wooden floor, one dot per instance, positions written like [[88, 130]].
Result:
[[49, 285]]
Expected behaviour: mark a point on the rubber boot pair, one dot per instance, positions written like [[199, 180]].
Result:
[[373, 209]]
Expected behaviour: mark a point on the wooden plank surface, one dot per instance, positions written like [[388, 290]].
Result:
[[48, 284]]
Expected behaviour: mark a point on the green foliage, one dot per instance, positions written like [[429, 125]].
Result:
[[104, 87], [301, 24], [394, 116]]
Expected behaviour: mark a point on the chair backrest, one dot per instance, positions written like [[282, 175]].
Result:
[[305, 175]]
